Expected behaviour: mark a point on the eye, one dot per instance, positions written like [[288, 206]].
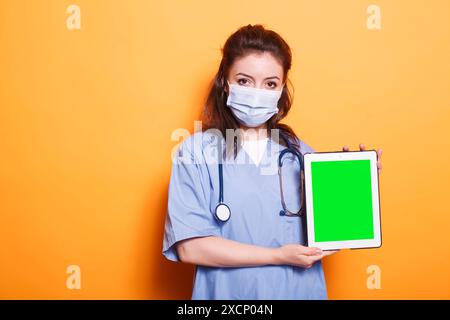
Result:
[[242, 81], [272, 84]]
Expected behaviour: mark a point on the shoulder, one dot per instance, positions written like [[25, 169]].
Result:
[[304, 147], [194, 146]]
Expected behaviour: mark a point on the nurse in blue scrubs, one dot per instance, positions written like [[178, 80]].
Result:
[[257, 253]]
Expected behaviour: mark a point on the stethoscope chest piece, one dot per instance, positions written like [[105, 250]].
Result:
[[222, 212]]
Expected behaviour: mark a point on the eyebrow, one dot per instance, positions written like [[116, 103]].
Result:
[[247, 75]]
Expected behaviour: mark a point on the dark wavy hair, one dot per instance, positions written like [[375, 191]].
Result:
[[246, 40]]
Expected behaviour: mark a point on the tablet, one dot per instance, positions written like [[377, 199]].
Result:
[[342, 200]]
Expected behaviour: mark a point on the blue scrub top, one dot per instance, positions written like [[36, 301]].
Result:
[[253, 194]]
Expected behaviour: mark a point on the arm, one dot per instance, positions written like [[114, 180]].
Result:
[[220, 252]]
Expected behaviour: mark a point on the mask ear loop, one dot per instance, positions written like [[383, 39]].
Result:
[[281, 94]]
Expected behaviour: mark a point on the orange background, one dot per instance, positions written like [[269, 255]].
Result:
[[86, 118]]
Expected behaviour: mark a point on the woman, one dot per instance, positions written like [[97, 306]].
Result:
[[257, 252]]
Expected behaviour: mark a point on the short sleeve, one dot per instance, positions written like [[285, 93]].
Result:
[[188, 210]]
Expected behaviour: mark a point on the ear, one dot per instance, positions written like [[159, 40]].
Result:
[[225, 86]]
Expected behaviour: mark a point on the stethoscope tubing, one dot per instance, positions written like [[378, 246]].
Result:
[[284, 212]]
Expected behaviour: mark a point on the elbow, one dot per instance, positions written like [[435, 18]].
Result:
[[184, 252], [198, 250]]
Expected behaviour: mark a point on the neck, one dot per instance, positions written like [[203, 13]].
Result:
[[257, 133]]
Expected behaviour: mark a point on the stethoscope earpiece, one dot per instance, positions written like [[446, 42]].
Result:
[[282, 213]]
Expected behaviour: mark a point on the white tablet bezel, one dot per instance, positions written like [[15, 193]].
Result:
[[343, 156]]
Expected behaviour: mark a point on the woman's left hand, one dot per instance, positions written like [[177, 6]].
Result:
[[362, 148]]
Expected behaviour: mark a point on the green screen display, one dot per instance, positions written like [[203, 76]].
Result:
[[342, 200]]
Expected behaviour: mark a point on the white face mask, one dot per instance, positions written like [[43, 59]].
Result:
[[253, 106]]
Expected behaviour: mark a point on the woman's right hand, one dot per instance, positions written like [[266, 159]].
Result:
[[298, 255]]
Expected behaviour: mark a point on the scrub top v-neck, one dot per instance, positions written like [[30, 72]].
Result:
[[255, 149], [252, 192]]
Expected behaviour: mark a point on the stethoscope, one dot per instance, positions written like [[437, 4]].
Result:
[[223, 212]]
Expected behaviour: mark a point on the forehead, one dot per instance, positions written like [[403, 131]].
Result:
[[262, 65]]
